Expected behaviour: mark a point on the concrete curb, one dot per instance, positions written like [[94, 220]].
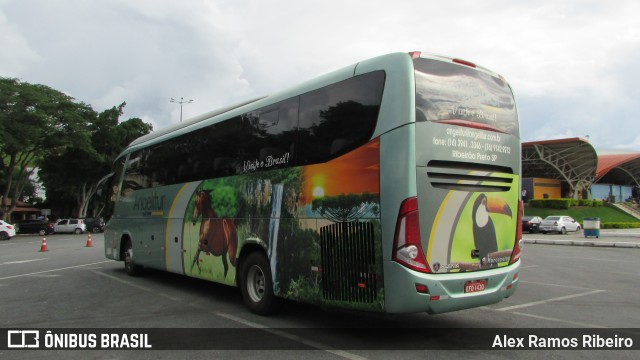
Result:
[[596, 243]]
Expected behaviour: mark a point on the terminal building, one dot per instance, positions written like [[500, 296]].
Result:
[[573, 168]]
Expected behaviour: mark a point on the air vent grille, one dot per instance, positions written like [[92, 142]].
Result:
[[470, 177], [348, 262]]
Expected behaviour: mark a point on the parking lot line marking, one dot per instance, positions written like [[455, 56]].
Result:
[[139, 287], [292, 337], [53, 270], [283, 334], [21, 261], [541, 302], [625, 274], [557, 285], [560, 320]]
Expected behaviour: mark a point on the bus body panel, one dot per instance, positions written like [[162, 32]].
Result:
[[468, 191], [177, 220], [449, 288], [398, 101], [328, 225], [397, 180]]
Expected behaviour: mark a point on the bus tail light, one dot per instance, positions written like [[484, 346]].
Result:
[[407, 248], [464, 62], [519, 243]]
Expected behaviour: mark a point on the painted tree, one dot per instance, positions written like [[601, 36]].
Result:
[[346, 207]]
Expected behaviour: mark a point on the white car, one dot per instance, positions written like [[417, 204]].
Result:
[[70, 226], [560, 224], [7, 231]]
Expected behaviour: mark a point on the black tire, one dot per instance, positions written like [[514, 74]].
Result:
[[4, 236], [78, 231], [563, 231], [95, 229], [42, 232], [129, 266], [257, 285]]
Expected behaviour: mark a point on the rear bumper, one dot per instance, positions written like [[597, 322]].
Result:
[[401, 295], [550, 228]]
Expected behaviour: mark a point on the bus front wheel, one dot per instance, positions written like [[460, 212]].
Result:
[[129, 266], [257, 285]]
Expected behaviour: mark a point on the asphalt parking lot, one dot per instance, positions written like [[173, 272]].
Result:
[[572, 290], [619, 238]]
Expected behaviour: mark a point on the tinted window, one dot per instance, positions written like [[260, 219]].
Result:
[[339, 118], [134, 177], [269, 137], [258, 140], [447, 91], [333, 121]]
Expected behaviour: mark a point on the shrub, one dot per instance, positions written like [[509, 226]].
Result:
[[552, 203], [585, 202], [620, 225]]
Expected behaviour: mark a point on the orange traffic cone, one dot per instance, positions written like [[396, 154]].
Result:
[[89, 242], [43, 247]]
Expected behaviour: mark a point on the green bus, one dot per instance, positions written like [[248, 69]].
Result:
[[391, 185]]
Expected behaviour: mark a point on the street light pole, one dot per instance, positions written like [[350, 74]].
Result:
[[181, 101]]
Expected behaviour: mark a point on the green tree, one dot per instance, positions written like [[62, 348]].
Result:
[[35, 121], [73, 176]]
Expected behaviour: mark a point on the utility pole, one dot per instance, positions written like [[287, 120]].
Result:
[[181, 101]]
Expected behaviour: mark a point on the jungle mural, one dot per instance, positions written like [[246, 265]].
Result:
[[287, 211]]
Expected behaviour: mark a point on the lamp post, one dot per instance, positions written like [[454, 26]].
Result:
[[181, 101]]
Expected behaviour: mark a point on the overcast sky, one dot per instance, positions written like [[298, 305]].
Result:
[[574, 65]]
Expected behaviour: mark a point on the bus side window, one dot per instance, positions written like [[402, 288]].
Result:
[[134, 178], [270, 135], [339, 118]]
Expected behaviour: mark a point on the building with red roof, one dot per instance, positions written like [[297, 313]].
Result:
[[573, 168]]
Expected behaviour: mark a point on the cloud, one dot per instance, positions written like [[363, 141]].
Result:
[[18, 55], [572, 63]]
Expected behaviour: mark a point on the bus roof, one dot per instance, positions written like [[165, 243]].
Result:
[[398, 62], [228, 112]]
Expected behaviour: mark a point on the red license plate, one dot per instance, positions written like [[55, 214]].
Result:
[[475, 286]]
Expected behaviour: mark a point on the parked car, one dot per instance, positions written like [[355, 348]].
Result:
[[94, 225], [559, 223], [40, 227], [531, 224], [70, 226], [7, 231]]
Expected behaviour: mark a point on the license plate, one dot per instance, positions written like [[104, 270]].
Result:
[[475, 286]]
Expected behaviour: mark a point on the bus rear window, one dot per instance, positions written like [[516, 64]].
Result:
[[448, 91]]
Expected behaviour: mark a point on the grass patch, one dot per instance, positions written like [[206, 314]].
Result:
[[606, 214]]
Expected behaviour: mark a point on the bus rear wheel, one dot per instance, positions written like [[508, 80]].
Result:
[[129, 266], [257, 285]]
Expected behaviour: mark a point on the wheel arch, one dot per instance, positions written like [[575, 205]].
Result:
[[124, 238]]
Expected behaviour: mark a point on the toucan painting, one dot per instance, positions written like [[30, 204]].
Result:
[[484, 232]]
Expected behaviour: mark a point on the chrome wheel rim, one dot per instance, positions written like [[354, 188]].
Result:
[[256, 283]]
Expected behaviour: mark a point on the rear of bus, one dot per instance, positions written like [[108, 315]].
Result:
[[457, 237]]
